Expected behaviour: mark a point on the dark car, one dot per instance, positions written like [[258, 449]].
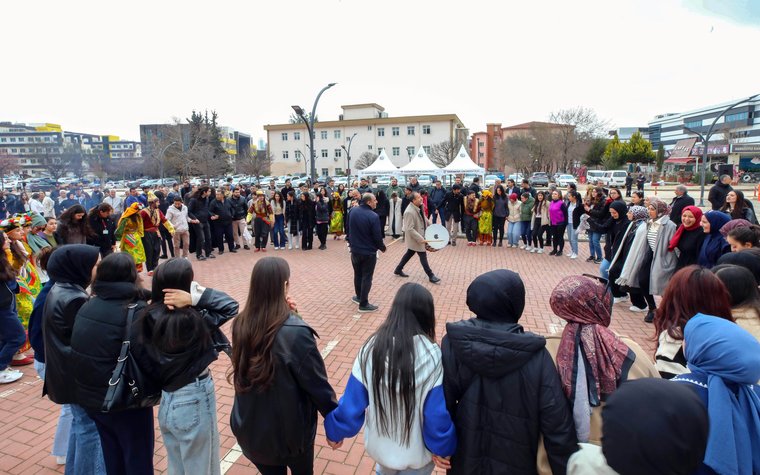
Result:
[[42, 184], [539, 179]]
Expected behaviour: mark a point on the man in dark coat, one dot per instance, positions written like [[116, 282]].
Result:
[[453, 210], [435, 201], [501, 386], [717, 195], [681, 201], [628, 184]]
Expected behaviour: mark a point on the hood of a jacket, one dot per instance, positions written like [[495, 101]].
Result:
[[73, 263], [492, 349]]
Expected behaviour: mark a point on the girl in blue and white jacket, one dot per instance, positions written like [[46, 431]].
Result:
[[396, 382]]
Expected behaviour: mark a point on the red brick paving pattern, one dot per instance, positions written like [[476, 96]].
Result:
[[321, 282]]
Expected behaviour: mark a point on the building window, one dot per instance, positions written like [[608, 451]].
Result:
[[369, 127], [337, 152], [3, 139], [296, 135], [395, 131], [381, 131], [297, 154], [325, 171], [369, 147], [324, 153], [693, 124], [284, 136], [480, 154], [13, 139], [285, 154], [737, 117], [410, 151], [739, 135], [409, 130], [339, 171], [481, 144], [336, 134], [323, 134], [426, 148], [396, 151], [426, 130], [14, 150]]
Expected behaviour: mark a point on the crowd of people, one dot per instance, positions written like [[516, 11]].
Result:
[[492, 398]]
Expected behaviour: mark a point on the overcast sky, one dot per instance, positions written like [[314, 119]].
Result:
[[106, 67]]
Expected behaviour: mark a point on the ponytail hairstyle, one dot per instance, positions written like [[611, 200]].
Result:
[[746, 235]]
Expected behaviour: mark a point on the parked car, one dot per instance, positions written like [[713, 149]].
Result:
[[592, 175], [41, 184], [565, 180], [539, 179], [614, 177], [516, 177], [490, 180]]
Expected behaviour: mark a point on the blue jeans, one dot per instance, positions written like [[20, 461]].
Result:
[[572, 236], [604, 268], [426, 470], [525, 232], [435, 214], [593, 244], [12, 337], [513, 233], [85, 455], [187, 418], [63, 430], [278, 231]]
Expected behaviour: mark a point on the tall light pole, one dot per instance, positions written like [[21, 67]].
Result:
[[310, 127], [348, 158], [705, 140], [161, 159]]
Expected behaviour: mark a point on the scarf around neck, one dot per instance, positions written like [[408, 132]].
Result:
[[681, 229]]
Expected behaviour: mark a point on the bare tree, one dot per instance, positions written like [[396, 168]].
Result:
[[528, 152], [443, 153], [578, 126], [8, 164], [365, 159], [255, 162]]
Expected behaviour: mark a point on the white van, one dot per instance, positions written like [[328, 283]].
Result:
[[614, 177], [592, 175]]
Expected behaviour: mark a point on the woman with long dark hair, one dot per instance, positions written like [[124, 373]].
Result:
[[292, 219], [745, 296], [178, 337], [306, 212], [126, 434], [322, 217], [598, 211], [557, 223], [103, 229], [500, 212], [73, 227], [540, 222], [12, 334], [278, 374], [278, 227], [691, 290], [397, 381], [736, 206]]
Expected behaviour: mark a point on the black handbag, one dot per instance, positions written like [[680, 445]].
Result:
[[128, 387]]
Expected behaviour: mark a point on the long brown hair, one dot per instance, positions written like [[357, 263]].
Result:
[[255, 328]]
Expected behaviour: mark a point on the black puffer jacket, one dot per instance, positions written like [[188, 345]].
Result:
[[239, 207], [71, 267], [99, 330], [222, 209], [281, 421], [179, 368], [502, 391]]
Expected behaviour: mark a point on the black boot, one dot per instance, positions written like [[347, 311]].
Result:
[[650, 316]]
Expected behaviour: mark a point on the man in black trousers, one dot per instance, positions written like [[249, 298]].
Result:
[[365, 238]]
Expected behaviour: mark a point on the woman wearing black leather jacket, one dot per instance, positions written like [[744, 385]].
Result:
[[126, 433], [177, 337], [279, 376]]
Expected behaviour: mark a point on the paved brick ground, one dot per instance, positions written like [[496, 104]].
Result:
[[321, 283]]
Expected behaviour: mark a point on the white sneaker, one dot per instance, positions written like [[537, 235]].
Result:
[[540, 251], [634, 308], [533, 250], [290, 247], [9, 375], [60, 460], [620, 299], [522, 246], [573, 256], [568, 254]]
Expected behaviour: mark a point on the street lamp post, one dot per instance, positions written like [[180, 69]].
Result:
[[161, 159], [348, 158], [310, 127], [705, 139]]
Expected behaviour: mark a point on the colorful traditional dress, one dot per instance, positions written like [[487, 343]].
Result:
[[29, 286], [485, 223], [130, 232], [336, 220]]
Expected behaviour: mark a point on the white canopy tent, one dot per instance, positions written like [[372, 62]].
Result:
[[381, 166], [420, 165], [462, 163]]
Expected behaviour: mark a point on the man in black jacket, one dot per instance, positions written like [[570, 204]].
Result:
[[197, 211], [239, 213], [681, 201], [435, 201], [453, 210], [501, 386], [719, 191], [365, 238], [221, 214], [628, 184]]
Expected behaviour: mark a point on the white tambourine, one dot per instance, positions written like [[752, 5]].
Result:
[[437, 237]]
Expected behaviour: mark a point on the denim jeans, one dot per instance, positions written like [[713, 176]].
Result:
[[12, 337], [426, 470], [187, 418], [572, 236], [604, 268], [513, 233], [278, 231], [63, 430], [85, 455], [525, 232], [593, 244]]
